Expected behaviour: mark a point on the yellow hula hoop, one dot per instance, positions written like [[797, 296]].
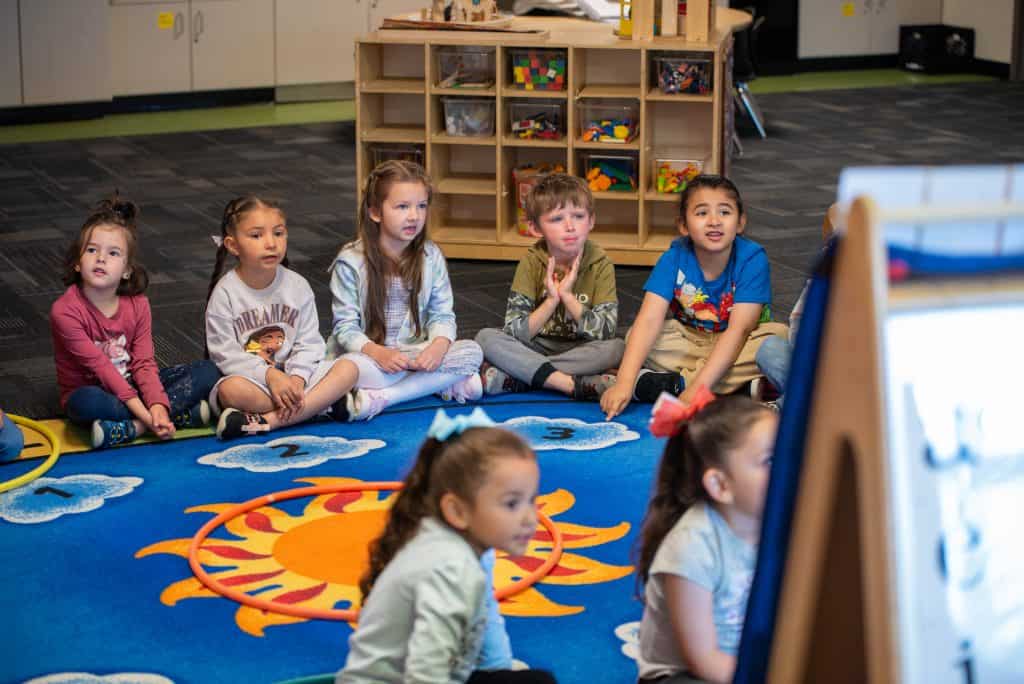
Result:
[[46, 432]]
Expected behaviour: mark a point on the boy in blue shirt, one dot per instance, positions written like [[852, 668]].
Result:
[[716, 285]]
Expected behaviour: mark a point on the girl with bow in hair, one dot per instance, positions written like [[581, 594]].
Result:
[[698, 544], [429, 613]]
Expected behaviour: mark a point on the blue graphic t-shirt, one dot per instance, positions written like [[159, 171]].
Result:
[[707, 304]]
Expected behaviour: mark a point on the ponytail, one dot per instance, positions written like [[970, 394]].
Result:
[[410, 507], [458, 465], [700, 444]]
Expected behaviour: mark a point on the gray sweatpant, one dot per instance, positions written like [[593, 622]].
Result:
[[523, 360]]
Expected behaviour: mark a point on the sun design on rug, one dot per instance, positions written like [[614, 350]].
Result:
[[315, 558]]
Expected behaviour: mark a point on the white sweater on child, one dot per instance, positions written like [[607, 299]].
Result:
[[237, 315]]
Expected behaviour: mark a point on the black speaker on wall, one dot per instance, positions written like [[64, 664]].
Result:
[[936, 48]]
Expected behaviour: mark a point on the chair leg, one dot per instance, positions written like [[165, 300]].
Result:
[[750, 106], [737, 146]]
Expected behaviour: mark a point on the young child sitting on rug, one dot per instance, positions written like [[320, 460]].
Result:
[[716, 284], [11, 439], [563, 308], [698, 542], [263, 332], [392, 301], [103, 342], [429, 613]]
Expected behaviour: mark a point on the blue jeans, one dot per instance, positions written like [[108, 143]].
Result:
[[185, 386], [11, 439], [773, 361]]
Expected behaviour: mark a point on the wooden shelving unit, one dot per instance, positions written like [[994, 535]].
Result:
[[474, 213]]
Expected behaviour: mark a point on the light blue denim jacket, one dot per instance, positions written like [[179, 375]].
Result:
[[348, 301]]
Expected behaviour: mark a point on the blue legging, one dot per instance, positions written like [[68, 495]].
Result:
[[185, 386], [11, 439]]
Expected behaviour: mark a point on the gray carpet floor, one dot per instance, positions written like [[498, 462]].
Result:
[[182, 181]]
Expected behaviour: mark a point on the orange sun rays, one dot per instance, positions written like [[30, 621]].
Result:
[[317, 557]]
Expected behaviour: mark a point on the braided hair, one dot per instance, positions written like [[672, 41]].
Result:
[[234, 212]]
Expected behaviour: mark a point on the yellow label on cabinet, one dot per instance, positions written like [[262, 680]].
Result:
[[165, 20], [849, 9]]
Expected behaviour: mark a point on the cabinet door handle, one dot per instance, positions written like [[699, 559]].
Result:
[[179, 25], [197, 24]]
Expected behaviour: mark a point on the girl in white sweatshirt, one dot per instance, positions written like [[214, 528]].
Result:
[[263, 333]]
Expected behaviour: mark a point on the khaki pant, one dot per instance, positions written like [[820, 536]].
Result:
[[684, 350]]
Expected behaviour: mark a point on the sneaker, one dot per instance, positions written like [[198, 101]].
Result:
[[366, 404], [108, 433], [341, 410], [591, 387], [195, 417], [762, 390], [234, 423], [469, 388], [497, 381], [651, 384]]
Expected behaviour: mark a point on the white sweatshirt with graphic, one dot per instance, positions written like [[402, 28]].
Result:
[[248, 330]]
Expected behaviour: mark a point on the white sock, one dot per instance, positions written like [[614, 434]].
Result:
[[417, 385]]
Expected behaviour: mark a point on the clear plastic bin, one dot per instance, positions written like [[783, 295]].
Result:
[[609, 122], [538, 69], [673, 174], [382, 152], [468, 116], [609, 172], [465, 67], [682, 74], [533, 120]]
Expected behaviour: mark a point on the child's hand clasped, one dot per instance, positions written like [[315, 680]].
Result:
[[160, 422], [569, 279], [288, 392], [430, 358], [389, 359]]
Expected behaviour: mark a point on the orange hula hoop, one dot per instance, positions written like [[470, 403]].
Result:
[[346, 614]]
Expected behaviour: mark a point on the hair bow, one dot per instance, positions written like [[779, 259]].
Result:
[[217, 240], [444, 426], [669, 414]]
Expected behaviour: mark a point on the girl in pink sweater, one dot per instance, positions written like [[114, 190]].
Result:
[[103, 343]]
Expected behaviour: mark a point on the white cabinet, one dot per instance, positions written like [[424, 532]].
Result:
[[173, 46], [10, 55], [315, 40], [232, 44], [381, 9], [64, 51], [844, 28], [150, 48]]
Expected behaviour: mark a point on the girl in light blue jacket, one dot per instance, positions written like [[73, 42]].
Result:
[[392, 301]]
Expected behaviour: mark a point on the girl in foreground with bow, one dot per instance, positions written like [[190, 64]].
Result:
[[429, 613], [698, 544]]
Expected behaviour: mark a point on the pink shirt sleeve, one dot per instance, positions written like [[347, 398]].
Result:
[[143, 365]]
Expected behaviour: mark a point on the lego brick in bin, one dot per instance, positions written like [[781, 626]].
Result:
[[683, 74], [672, 175], [468, 116], [532, 120], [465, 67], [609, 172], [523, 180], [609, 122], [538, 69]]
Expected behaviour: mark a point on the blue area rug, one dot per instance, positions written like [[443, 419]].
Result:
[[94, 579]]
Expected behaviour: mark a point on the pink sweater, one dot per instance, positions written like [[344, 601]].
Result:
[[115, 353]]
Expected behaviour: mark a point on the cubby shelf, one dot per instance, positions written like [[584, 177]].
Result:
[[411, 86], [508, 92], [474, 209]]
